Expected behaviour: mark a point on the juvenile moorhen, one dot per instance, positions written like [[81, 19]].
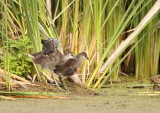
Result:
[[50, 56], [69, 67]]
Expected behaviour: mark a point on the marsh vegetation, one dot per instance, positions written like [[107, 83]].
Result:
[[121, 38]]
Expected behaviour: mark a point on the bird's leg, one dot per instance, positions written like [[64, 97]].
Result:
[[50, 80], [56, 82], [38, 73], [63, 82]]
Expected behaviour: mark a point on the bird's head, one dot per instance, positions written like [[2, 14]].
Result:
[[82, 55]]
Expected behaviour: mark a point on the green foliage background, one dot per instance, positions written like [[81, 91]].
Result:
[[97, 27]]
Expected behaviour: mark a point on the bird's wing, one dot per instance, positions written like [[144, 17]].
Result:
[[69, 71], [54, 41], [48, 47], [65, 71], [37, 54]]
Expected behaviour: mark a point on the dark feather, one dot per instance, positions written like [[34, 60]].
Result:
[[67, 71], [70, 67], [48, 47], [37, 54], [48, 61]]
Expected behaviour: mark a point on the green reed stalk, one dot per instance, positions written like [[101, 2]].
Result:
[[146, 65], [118, 63], [31, 15], [97, 8], [65, 20], [4, 25], [115, 18], [131, 13], [74, 47], [85, 31], [124, 22], [156, 61], [15, 11]]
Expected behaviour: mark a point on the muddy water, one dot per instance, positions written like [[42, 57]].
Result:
[[115, 100]]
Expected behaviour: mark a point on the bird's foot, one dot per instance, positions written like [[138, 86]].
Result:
[[63, 86]]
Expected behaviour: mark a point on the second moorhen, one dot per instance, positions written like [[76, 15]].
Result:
[[69, 67]]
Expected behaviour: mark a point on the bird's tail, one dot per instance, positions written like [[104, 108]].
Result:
[[31, 56]]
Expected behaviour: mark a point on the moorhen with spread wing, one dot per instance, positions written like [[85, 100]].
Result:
[[50, 56]]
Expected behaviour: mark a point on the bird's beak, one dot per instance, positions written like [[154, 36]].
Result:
[[87, 58]]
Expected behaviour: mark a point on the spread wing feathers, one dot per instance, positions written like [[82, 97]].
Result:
[[50, 56], [54, 41], [48, 47], [48, 61]]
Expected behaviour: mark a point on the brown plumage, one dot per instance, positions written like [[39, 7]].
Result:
[[50, 57], [70, 67], [51, 60], [49, 46], [63, 65]]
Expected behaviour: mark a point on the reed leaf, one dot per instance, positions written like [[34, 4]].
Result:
[[4, 26], [150, 30], [96, 27]]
